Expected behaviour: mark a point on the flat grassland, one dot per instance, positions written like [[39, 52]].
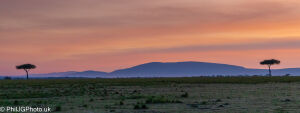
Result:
[[156, 95]]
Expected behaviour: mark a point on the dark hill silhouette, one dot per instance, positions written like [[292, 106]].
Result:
[[90, 73], [181, 68]]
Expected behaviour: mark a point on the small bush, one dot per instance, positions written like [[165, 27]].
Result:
[[218, 100], [85, 105], [220, 106], [57, 108], [286, 100], [105, 92], [16, 102], [144, 106], [160, 99], [185, 95], [121, 103], [193, 105], [177, 101], [91, 100], [140, 106], [135, 97], [204, 103], [136, 106]]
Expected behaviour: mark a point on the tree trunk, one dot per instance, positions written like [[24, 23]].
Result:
[[26, 74], [270, 73]]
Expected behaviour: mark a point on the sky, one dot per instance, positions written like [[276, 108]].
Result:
[[105, 35]]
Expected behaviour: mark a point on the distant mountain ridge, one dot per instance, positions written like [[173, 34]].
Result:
[[88, 73], [173, 69], [180, 69]]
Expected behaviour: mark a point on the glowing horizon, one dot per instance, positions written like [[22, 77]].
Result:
[[64, 35]]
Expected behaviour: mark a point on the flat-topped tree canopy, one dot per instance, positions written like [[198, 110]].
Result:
[[26, 66], [270, 62]]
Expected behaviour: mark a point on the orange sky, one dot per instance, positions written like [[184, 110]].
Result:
[[104, 35]]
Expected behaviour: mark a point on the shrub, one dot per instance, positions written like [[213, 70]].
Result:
[[105, 92], [193, 105], [135, 97], [136, 106], [91, 100], [160, 99], [218, 100], [204, 103], [121, 103], [144, 106], [140, 106], [221, 106], [16, 102], [185, 95], [57, 108], [85, 105]]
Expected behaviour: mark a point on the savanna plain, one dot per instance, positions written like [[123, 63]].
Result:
[[156, 95]]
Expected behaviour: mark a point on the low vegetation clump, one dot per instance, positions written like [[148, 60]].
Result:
[[185, 95], [121, 103], [57, 108], [140, 106], [218, 100], [204, 103], [91, 100], [135, 97], [160, 99]]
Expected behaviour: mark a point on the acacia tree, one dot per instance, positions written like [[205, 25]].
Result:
[[26, 67], [269, 63]]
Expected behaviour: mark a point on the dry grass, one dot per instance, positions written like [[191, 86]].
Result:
[[202, 94]]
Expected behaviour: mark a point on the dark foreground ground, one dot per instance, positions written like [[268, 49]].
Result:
[[156, 95]]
